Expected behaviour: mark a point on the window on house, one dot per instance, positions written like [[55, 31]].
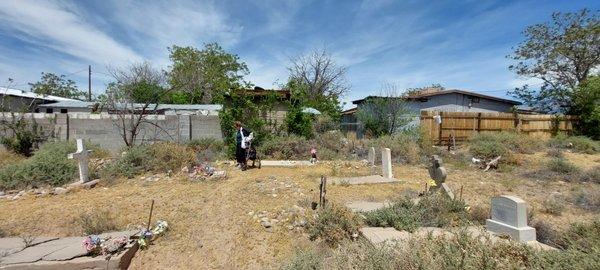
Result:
[[49, 110], [63, 110]]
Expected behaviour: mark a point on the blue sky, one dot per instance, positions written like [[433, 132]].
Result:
[[459, 44]]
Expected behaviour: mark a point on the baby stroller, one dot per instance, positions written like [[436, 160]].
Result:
[[251, 153]]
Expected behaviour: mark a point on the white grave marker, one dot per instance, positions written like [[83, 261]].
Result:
[[82, 159], [509, 216], [386, 163]]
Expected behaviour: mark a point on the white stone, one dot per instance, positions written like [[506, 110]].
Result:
[[82, 156], [509, 217], [386, 163]]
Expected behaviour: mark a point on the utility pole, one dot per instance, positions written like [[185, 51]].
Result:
[[89, 82]]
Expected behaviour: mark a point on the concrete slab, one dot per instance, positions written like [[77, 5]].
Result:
[[65, 249], [12, 245], [364, 206], [285, 163], [377, 235], [362, 180]]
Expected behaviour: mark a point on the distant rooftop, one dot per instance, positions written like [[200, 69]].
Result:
[[86, 104], [27, 94], [433, 92]]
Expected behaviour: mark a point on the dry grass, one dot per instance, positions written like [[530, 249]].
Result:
[[210, 225]]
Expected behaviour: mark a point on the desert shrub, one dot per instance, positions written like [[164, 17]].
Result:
[[404, 146], [580, 144], [333, 224], [96, 222], [555, 153], [487, 149], [434, 210], [514, 142], [288, 147], [562, 166], [545, 232], [48, 166], [159, 157], [479, 214], [9, 158], [587, 199], [554, 206], [206, 144], [402, 215], [305, 259], [590, 175]]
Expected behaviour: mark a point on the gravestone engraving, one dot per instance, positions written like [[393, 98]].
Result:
[[82, 156], [509, 217], [386, 163]]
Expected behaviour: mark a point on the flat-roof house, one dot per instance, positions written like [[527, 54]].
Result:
[[167, 109], [16, 100], [453, 100], [435, 99]]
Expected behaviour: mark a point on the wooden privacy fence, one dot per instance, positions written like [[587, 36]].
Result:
[[462, 125]]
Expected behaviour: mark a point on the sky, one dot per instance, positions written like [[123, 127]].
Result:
[[458, 44]]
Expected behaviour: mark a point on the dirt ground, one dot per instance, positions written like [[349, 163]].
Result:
[[212, 224]]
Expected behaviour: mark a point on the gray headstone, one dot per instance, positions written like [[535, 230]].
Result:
[[437, 172], [82, 156], [386, 163], [372, 156], [509, 216]]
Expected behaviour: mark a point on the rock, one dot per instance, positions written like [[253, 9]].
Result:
[[265, 224], [2, 193], [59, 191], [185, 169]]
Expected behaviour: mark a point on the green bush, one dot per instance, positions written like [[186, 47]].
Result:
[[159, 157], [591, 175], [333, 224], [487, 149], [435, 210], [305, 259], [580, 144], [517, 143], [48, 166], [562, 166], [404, 146]]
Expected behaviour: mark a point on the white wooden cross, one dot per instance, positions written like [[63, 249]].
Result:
[[82, 159]]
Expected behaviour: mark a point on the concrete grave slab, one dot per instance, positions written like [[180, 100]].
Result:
[[361, 180], [364, 206], [12, 245], [377, 235], [61, 253], [285, 163]]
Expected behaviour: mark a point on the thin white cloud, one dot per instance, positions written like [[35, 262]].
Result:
[[54, 25]]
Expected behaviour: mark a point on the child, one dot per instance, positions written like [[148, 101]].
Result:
[[313, 155]]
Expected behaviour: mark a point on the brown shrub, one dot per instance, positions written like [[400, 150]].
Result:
[[96, 222]]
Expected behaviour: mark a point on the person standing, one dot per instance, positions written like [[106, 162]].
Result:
[[241, 136]]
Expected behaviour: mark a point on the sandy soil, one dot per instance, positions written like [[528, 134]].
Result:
[[212, 224]]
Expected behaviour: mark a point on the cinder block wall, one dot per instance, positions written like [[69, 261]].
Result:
[[105, 129]]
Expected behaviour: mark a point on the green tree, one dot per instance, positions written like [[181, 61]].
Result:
[[298, 122], [52, 84], [384, 114], [562, 53], [586, 104], [204, 76]]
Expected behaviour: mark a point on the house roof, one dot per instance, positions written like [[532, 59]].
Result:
[[350, 111], [27, 94], [446, 92]]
